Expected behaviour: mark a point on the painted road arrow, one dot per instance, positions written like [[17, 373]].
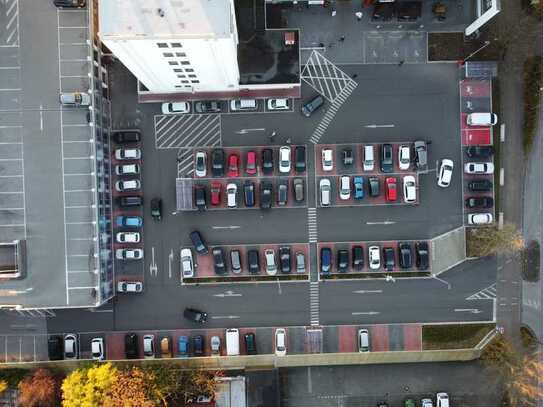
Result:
[[225, 317], [366, 313], [368, 291], [472, 310]]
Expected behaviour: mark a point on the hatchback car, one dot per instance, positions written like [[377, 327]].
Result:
[[300, 262], [284, 259], [479, 168], [373, 185], [198, 242], [280, 342], [235, 261], [342, 261], [298, 189], [358, 258], [480, 185], [219, 265], [195, 315], [201, 164], [129, 286], [422, 258], [445, 173], [479, 202], [358, 187], [131, 346], [127, 169], [327, 159], [325, 191], [404, 157], [391, 190], [249, 193], [70, 346], [326, 260], [127, 237], [387, 159], [309, 107], [421, 155], [207, 106], [363, 340], [389, 259], [345, 188], [282, 192], [97, 349], [156, 208], [479, 151], [215, 345], [267, 161], [130, 136], [187, 263], [480, 218], [250, 163], [250, 343], [127, 154], [299, 159], [374, 257], [217, 162], [409, 189], [233, 166], [442, 400], [129, 254], [271, 266], [278, 104], [284, 160], [198, 345], [231, 195], [215, 193], [183, 346], [149, 346], [266, 194], [406, 255], [175, 108], [253, 261], [128, 185], [200, 199], [128, 221]]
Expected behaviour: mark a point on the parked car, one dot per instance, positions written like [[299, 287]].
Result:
[[309, 107], [422, 257], [363, 340], [345, 188], [282, 192], [207, 106], [127, 169], [75, 99], [148, 346], [327, 159], [70, 3], [233, 166], [249, 193], [300, 262], [409, 10], [267, 161], [266, 194], [374, 257], [445, 173], [215, 344], [426, 403], [404, 157], [480, 218], [201, 164], [373, 184], [215, 191], [389, 258], [387, 159], [122, 154], [130, 201], [485, 119], [250, 343], [479, 168], [284, 160], [369, 157], [442, 400], [183, 346], [55, 347], [421, 155], [198, 345], [128, 185], [243, 105], [391, 190], [278, 104], [235, 261], [298, 189], [156, 208], [70, 346], [409, 403], [358, 258], [200, 199], [326, 260], [198, 242], [97, 349], [347, 157], [325, 191], [217, 162], [253, 261], [175, 108], [284, 259], [129, 254], [383, 11], [195, 315], [127, 237], [131, 346], [165, 347], [219, 265], [232, 195], [406, 255], [479, 202], [280, 342], [342, 261], [358, 187], [127, 136], [250, 163], [479, 151], [187, 263], [129, 287], [480, 185], [299, 159], [409, 189], [271, 266]]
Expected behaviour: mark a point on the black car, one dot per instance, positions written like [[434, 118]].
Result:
[[309, 107], [218, 159], [347, 155], [156, 208], [198, 242], [122, 137], [70, 3], [219, 265], [267, 161], [479, 202], [383, 11], [409, 10], [406, 255], [298, 189], [131, 346], [253, 261], [200, 197], [326, 260], [250, 343], [358, 258], [284, 259], [479, 151], [207, 106], [421, 250], [266, 195], [249, 193], [282, 192], [127, 201], [55, 348], [373, 185], [342, 261], [198, 345], [480, 185], [387, 162], [299, 159], [195, 315], [389, 260]]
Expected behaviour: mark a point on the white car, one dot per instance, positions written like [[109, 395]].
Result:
[[326, 191], [201, 164], [129, 287], [404, 157], [426, 403], [97, 348], [148, 346], [409, 189], [128, 154], [345, 187], [70, 346], [327, 159], [271, 267], [374, 257], [127, 169], [128, 185], [280, 342], [479, 168], [284, 160], [128, 237], [278, 104], [175, 108], [187, 263], [231, 195], [480, 218], [445, 173], [129, 254], [442, 400]]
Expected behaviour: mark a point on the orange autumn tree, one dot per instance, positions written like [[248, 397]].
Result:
[[39, 389], [132, 388]]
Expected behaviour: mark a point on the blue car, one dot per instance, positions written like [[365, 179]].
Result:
[[358, 187], [128, 221], [183, 347], [326, 260]]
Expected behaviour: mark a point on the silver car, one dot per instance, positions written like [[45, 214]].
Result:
[[300, 262], [271, 266], [187, 264], [74, 99]]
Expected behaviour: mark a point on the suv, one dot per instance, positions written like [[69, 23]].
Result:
[[129, 287], [480, 185], [130, 136], [421, 155], [266, 195], [54, 347], [195, 315], [348, 159], [406, 256], [235, 261], [200, 197], [373, 184], [131, 346], [253, 260], [309, 107], [271, 267], [127, 201], [250, 343], [387, 160], [421, 250], [479, 151], [326, 260], [219, 265], [358, 258], [284, 259], [207, 106], [198, 242], [282, 192], [388, 257], [299, 159], [217, 162], [267, 161], [343, 261], [156, 208]]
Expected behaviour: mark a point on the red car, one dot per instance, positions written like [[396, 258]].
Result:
[[233, 165], [250, 167], [216, 193], [391, 190]]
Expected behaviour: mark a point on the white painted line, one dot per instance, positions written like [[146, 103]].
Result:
[[80, 288], [502, 177], [470, 310], [502, 132], [10, 89], [500, 221], [72, 27], [368, 291], [75, 125], [365, 313], [19, 225], [225, 317], [9, 67]]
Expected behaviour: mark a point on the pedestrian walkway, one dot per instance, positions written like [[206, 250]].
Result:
[[314, 302], [394, 47], [187, 130], [448, 250], [312, 225]]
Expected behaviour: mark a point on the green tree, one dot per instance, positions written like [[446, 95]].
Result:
[[485, 241], [89, 387]]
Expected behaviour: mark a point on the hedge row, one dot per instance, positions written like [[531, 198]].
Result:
[[533, 76]]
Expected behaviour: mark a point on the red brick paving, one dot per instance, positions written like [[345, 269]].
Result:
[[379, 338], [347, 338], [474, 88], [412, 337]]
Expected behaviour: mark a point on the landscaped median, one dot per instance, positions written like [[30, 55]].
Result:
[[454, 336]]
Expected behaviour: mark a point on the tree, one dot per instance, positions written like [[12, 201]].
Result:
[[3, 386], [39, 389], [485, 241], [89, 387], [132, 388]]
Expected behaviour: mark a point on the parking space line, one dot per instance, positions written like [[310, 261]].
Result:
[[81, 288]]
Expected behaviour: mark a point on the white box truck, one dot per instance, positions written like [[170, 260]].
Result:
[[232, 342]]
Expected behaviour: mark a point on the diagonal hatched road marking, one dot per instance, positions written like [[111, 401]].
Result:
[[488, 293], [189, 130], [185, 160]]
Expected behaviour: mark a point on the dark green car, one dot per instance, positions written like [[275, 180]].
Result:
[[409, 403]]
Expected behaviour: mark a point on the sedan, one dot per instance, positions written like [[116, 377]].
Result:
[[480, 218], [284, 259], [479, 151], [128, 154], [284, 160], [343, 261], [250, 163], [187, 263], [271, 266], [278, 104], [266, 195], [129, 287], [267, 161], [298, 187], [389, 258], [201, 164], [479, 202], [175, 108], [345, 188], [207, 106], [374, 257], [217, 162], [479, 168], [233, 166], [97, 348], [327, 159], [445, 173], [215, 193], [249, 193], [70, 347], [231, 195], [219, 265], [129, 254], [326, 190], [358, 183], [387, 159], [128, 185], [326, 260], [391, 190], [404, 157], [409, 189], [128, 237]]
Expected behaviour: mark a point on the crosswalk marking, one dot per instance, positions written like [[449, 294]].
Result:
[[488, 293], [314, 303], [312, 225]]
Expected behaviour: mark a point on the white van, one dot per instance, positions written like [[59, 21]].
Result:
[[442, 400], [482, 119], [369, 160], [243, 104], [232, 342]]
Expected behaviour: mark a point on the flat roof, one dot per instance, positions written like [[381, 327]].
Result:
[[170, 19]]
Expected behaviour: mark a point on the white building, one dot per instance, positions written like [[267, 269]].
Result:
[[174, 46]]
